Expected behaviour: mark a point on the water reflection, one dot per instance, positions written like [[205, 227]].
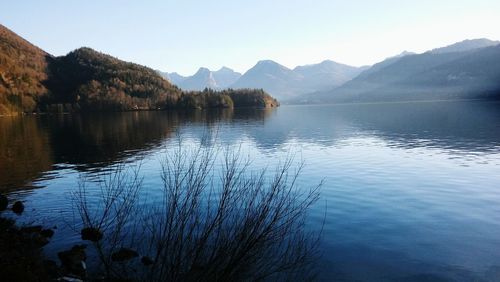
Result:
[[462, 126], [25, 151], [401, 206], [31, 145]]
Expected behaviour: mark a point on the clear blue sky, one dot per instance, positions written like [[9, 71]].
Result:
[[184, 35]]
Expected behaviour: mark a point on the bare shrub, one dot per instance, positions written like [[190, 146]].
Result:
[[242, 225], [108, 214]]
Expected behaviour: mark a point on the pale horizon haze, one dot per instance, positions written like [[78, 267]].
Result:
[[181, 36]]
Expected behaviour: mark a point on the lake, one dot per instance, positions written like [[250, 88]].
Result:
[[412, 190]]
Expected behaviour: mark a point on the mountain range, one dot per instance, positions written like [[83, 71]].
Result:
[[269, 75], [204, 78], [465, 70]]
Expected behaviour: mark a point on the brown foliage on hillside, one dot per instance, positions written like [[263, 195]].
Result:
[[23, 68]]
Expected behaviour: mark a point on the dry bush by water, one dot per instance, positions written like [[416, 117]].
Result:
[[211, 224]]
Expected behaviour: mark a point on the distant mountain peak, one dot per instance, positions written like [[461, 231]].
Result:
[[268, 65], [226, 76], [329, 62], [225, 69], [405, 53], [262, 62], [286, 83], [205, 78], [323, 64], [466, 45], [401, 55], [202, 70]]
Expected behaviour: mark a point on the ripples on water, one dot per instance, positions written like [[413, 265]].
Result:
[[412, 190]]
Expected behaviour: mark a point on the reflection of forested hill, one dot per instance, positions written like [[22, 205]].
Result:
[[106, 138], [100, 140], [25, 151], [31, 145]]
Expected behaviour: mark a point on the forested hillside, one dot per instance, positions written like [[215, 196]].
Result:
[[98, 81], [32, 80], [23, 69]]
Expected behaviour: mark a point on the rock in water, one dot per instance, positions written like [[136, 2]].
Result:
[[91, 234], [48, 233], [4, 202], [18, 207], [147, 261], [124, 254], [32, 229], [73, 261]]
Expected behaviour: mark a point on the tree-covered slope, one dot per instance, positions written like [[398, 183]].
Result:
[[96, 81], [23, 69]]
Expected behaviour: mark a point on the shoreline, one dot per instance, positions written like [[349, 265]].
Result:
[[138, 110]]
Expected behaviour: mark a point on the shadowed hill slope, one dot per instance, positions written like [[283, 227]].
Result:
[[97, 81]]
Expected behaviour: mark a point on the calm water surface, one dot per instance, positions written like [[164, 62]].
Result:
[[412, 190]]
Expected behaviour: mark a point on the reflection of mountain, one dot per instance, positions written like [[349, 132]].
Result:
[[456, 127], [24, 151], [461, 126]]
